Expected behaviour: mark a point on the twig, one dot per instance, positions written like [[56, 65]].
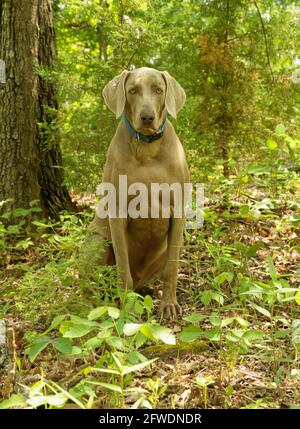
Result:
[[265, 39]]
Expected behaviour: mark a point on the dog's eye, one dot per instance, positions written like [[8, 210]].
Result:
[[132, 91], [158, 91]]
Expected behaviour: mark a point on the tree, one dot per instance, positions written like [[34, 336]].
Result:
[[30, 157], [246, 89]]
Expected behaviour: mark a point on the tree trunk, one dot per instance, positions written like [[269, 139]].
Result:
[[30, 157]]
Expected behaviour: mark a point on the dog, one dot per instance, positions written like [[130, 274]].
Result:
[[145, 149]]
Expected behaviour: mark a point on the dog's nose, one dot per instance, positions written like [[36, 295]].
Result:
[[147, 118]]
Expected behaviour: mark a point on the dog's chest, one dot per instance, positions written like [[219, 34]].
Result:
[[149, 173]]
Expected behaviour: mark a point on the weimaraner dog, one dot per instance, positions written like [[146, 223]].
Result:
[[147, 150]]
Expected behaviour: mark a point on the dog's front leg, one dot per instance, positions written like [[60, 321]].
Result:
[[169, 306], [118, 230]]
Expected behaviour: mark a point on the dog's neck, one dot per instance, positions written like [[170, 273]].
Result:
[[143, 151]]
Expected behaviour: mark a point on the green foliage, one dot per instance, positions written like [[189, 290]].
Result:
[[114, 329], [217, 50], [117, 327]]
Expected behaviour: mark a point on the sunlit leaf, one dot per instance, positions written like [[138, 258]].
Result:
[[96, 313], [261, 310], [131, 328], [272, 144]]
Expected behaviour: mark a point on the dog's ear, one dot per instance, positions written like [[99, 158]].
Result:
[[114, 93], [175, 96]]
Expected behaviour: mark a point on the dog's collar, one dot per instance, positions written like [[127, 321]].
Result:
[[148, 139]]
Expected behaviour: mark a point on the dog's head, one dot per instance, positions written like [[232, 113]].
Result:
[[144, 94]]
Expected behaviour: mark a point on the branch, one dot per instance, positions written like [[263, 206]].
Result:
[[265, 38]]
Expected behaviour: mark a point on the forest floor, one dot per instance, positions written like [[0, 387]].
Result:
[[237, 343]]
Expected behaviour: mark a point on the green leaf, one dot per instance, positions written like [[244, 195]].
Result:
[[232, 337], [108, 386], [103, 370], [272, 144], [77, 331], [131, 328], [138, 308], [213, 334], [138, 366], [229, 389], [148, 302], [38, 346], [297, 297], [80, 321], [215, 319], [189, 334], [140, 340], [77, 327], [252, 250], [113, 312], [24, 244], [43, 225], [116, 359], [295, 373], [116, 343], [135, 357], [244, 210], [145, 330], [13, 229], [223, 277], [63, 345], [195, 317], [281, 333], [162, 333], [253, 335], [37, 401], [76, 350], [272, 268], [57, 400], [96, 313], [20, 212], [206, 297], [280, 129], [242, 322], [227, 321], [261, 310], [55, 322], [204, 381], [16, 400], [105, 333], [67, 394], [217, 297], [93, 343]]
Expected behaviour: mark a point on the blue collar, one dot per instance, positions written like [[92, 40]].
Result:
[[148, 139]]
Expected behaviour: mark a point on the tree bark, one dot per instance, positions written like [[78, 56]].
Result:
[[30, 157]]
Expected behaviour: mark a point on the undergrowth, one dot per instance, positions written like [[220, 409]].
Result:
[[89, 344]]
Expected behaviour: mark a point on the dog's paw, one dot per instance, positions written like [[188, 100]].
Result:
[[170, 309]]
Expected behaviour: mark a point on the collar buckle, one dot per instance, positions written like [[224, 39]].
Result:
[[148, 139], [157, 135]]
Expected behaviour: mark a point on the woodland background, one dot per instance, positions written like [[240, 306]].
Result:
[[71, 343]]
